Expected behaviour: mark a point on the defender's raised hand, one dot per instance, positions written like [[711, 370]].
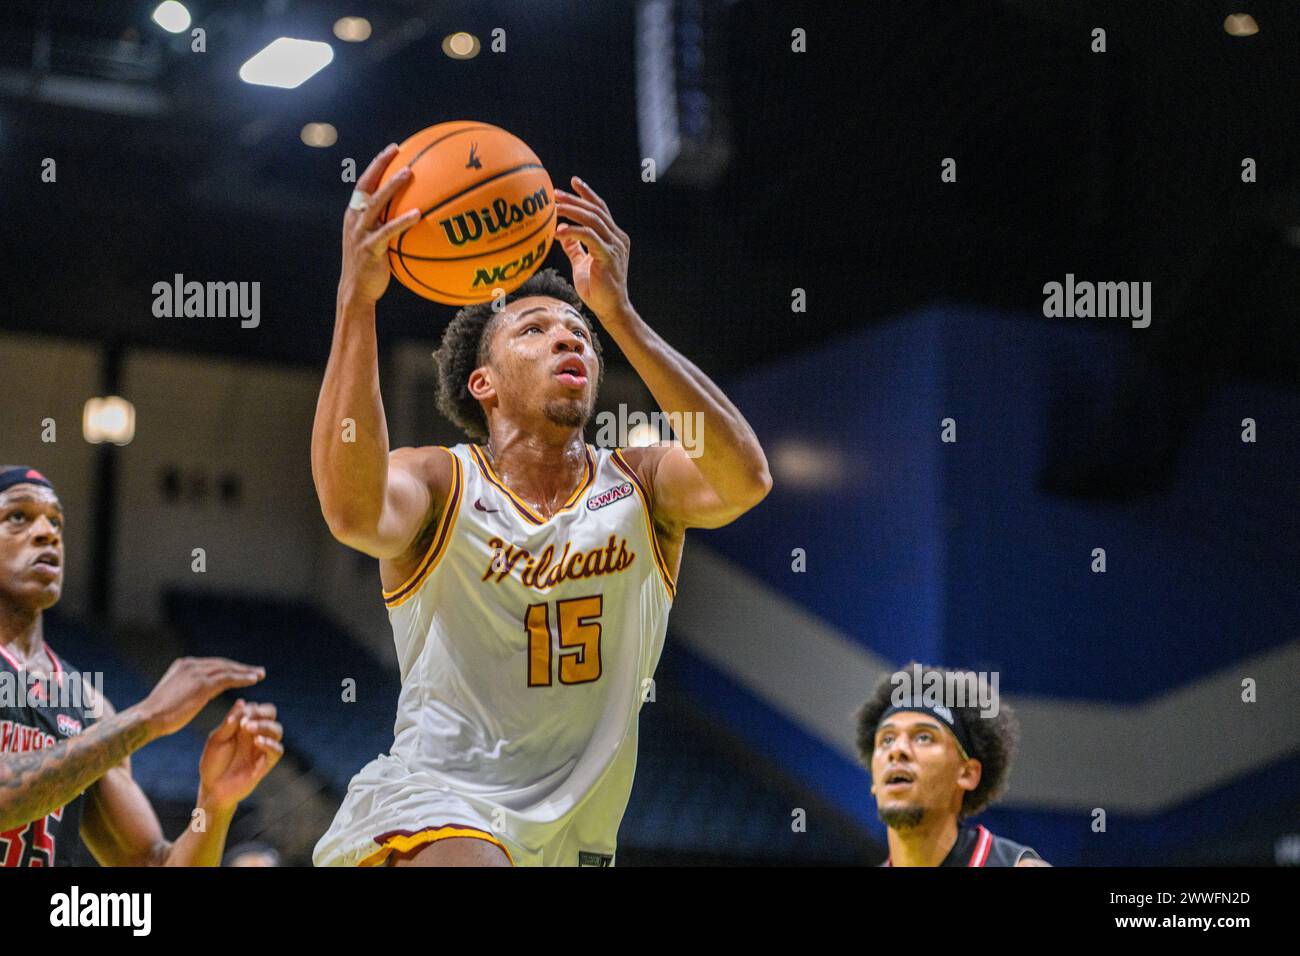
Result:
[[187, 687], [239, 753], [365, 275]]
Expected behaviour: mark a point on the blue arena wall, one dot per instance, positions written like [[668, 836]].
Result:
[[959, 554]]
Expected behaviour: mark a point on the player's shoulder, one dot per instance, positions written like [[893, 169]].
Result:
[[1006, 852], [1022, 855], [435, 465], [87, 703], [643, 460]]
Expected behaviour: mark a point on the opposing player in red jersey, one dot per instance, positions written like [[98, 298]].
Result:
[[65, 768], [933, 767]]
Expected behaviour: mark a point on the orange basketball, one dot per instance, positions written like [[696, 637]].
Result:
[[487, 213]]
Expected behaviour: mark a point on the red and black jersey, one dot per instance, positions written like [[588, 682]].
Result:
[[34, 718], [976, 846]]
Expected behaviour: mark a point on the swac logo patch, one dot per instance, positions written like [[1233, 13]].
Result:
[[68, 726], [586, 858], [609, 496]]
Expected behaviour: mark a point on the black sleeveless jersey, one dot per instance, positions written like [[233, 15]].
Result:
[[28, 722], [976, 846]]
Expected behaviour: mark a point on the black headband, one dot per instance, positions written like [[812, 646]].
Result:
[[22, 476], [950, 719]]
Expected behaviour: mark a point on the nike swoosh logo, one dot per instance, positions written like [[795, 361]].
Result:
[[478, 503]]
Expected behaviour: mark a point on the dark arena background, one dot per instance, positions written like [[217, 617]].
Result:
[[856, 213]]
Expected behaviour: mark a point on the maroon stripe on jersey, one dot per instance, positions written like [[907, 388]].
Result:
[[660, 561], [491, 479], [449, 512]]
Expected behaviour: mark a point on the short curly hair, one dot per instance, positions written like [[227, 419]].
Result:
[[465, 347], [993, 739]]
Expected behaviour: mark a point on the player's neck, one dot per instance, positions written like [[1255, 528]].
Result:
[[21, 630], [543, 469], [924, 845]]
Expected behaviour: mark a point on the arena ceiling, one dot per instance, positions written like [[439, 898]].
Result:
[[1123, 165]]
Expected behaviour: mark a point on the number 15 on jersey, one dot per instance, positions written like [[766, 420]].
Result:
[[577, 641]]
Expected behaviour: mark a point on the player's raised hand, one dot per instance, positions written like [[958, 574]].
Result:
[[365, 274], [187, 687], [239, 753], [599, 269]]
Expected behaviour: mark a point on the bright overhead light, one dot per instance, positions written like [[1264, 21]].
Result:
[[352, 29], [172, 16], [287, 63], [110, 419], [460, 46], [1240, 25], [805, 466], [319, 135]]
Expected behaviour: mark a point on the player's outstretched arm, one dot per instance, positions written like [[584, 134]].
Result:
[[372, 500], [729, 475], [35, 783], [119, 824]]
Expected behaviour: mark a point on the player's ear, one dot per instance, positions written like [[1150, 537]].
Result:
[[972, 771], [480, 384]]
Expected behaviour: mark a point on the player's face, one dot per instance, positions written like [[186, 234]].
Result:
[[545, 362], [31, 546], [917, 770]]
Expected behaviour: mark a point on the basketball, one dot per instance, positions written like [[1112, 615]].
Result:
[[487, 213]]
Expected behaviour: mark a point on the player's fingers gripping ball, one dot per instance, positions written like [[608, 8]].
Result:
[[487, 213]]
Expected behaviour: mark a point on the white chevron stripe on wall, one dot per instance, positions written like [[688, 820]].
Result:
[[1074, 755]]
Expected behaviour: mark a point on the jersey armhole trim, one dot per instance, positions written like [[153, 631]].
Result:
[[438, 546], [621, 463]]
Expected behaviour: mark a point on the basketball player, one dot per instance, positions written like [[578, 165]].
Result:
[[932, 769], [65, 765], [528, 577]]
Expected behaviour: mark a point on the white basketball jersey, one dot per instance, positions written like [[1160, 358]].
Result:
[[525, 646]]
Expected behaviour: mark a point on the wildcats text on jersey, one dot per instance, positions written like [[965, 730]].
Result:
[[538, 572]]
